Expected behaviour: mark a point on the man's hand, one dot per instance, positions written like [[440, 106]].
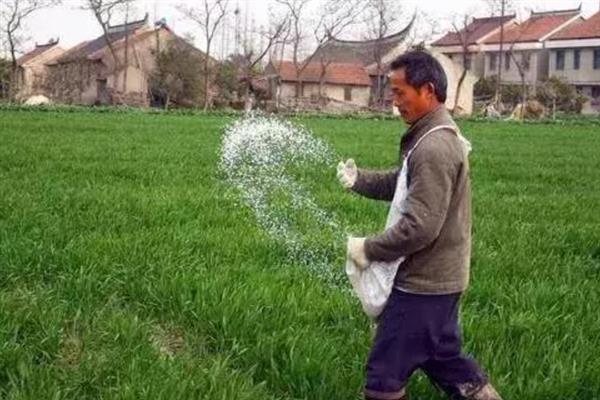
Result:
[[356, 252], [347, 173]]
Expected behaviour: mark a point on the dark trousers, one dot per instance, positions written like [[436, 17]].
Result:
[[419, 332]]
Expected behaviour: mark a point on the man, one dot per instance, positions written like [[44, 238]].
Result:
[[419, 327]]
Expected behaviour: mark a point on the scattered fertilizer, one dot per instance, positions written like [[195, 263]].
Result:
[[262, 159]]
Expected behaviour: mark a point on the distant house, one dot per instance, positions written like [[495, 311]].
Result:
[[341, 82], [526, 42], [374, 55], [32, 68], [89, 74], [575, 56], [465, 46]]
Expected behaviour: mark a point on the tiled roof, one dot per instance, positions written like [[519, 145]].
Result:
[[477, 29], [39, 49], [583, 29], [364, 52], [336, 73], [535, 28], [85, 49]]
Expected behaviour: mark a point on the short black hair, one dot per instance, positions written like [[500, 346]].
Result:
[[421, 68]]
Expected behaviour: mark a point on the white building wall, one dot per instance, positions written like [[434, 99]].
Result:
[[512, 75], [586, 74], [360, 94]]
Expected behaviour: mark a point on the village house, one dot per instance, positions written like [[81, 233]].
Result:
[[32, 68], [88, 73], [346, 84], [355, 74], [465, 45], [373, 55], [575, 57], [525, 56]]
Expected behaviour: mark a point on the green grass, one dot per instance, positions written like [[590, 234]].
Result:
[[125, 272]]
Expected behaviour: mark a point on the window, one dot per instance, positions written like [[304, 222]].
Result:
[[560, 60], [526, 60], [596, 92], [348, 93], [493, 62], [576, 58], [507, 61], [596, 58]]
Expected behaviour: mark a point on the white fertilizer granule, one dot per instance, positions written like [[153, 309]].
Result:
[[260, 158]]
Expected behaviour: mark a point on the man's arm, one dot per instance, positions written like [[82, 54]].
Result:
[[432, 168], [378, 185]]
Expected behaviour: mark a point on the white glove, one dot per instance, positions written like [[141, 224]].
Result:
[[356, 252], [347, 173]]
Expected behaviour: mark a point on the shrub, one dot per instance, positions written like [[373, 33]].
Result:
[[557, 91]]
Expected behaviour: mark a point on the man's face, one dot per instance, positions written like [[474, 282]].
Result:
[[411, 103]]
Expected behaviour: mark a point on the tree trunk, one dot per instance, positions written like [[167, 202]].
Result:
[[247, 100], [458, 89], [14, 70], [126, 51], [206, 73], [523, 94]]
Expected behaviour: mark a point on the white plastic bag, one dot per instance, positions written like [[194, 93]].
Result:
[[374, 284]]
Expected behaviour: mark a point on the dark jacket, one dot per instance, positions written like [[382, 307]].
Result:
[[434, 233]]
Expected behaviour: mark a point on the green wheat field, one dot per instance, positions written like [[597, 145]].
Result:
[[127, 272]]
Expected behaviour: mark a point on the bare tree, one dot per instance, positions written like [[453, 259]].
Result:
[[522, 63], [381, 17], [12, 15], [502, 7], [336, 17], [103, 11], [297, 35], [208, 16], [271, 36], [425, 27], [463, 33]]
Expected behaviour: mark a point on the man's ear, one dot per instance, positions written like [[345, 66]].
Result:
[[430, 89], [427, 89]]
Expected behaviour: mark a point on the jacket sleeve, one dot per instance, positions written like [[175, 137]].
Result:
[[432, 170], [378, 185]]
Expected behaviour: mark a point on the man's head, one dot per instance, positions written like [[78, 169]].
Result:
[[418, 84]]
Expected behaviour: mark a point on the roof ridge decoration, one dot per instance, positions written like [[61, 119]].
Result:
[[398, 36], [535, 14], [129, 25]]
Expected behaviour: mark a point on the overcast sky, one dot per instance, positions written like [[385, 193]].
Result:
[[74, 25]]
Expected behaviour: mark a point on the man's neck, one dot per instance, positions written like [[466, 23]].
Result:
[[426, 113]]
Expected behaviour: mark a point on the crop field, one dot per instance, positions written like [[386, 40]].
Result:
[[128, 270]]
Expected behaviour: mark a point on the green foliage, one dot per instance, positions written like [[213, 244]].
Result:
[[177, 80], [557, 91], [227, 81], [485, 88], [554, 91]]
